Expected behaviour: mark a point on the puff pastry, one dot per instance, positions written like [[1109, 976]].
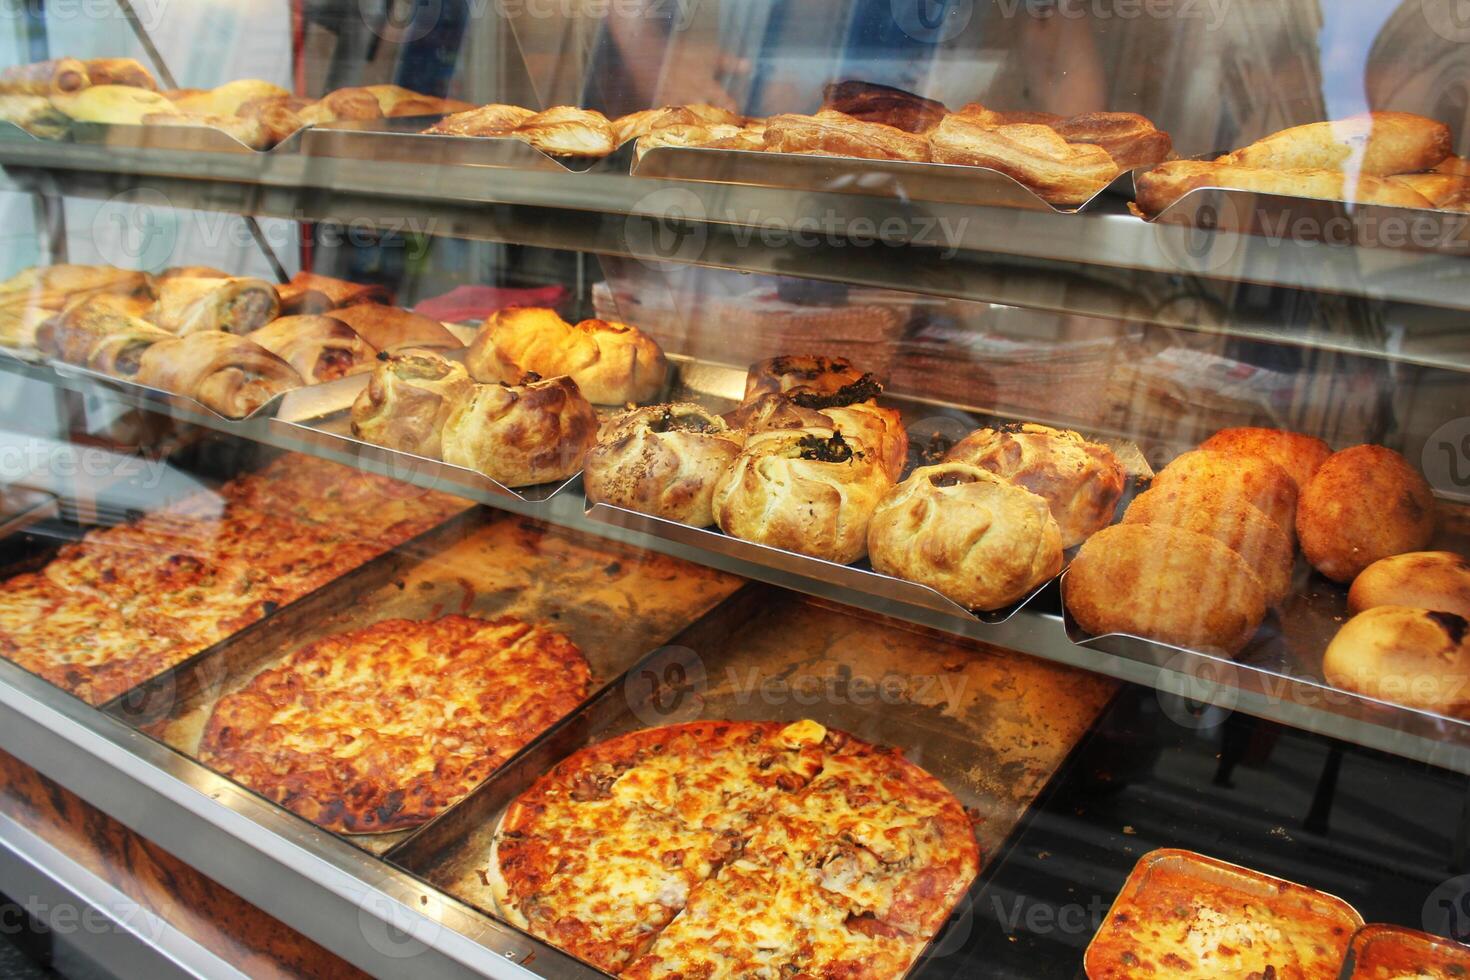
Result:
[[636, 124], [1130, 139], [980, 540], [1372, 143], [279, 116], [71, 335], [344, 104], [715, 137], [120, 351], [57, 76], [408, 398], [991, 117], [230, 375], [521, 435], [390, 328], [1163, 185], [566, 131], [308, 292], [662, 460], [120, 71], [112, 104], [187, 304], [320, 348], [226, 99], [19, 323], [836, 134], [426, 105], [1058, 171], [487, 120], [870, 102], [612, 363]]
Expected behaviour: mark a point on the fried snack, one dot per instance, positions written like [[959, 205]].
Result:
[[320, 348], [1372, 143], [521, 435], [408, 398], [870, 102], [120, 71], [612, 363], [979, 539], [1437, 580], [308, 292], [1059, 171], [1299, 455], [58, 76], [976, 112], [230, 375], [390, 328], [71, 335], [1364, 503], [1234, 522], [636, 124], [836, 134], [566, 131], [1167, 584], [1254, 479], [247, 131], [1414, 657], [810, 375], [1447, 192], [279, 116], [112, 104], [120, 352], [1168, 182], [804, 490], [487, 120], [1081, 481], [661, 460], [1130, 139], [226, 99], [35, 114], [187, 304]]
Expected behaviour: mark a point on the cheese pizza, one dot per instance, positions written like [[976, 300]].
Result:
[[383, 727], [723, 848]]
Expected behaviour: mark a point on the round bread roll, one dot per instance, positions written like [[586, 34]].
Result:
[[521, 435], [876, 429], [1438, 580], [1238, 525], [977, 538], [1080, 480], [1167, 584], [1364, 503], [1254, 479], [612, 363], [1414, 657], [407, 400], [804, 490], [662, 460], [1299, 455], [813, 376]]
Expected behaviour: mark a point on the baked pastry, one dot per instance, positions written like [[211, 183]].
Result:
[[279, 116], [976, 112], [524, 434], [408, 398], [390, 328], [54, 286], [247, 131], [1081, 481], [320, 348], [1415, 657], [120, 351], [113, 104], [661, 460], [1165, 583], [19, 322], [487, 120], [870, 102], [1374, 144], [812, 375], [120, 71], [836, 134], [189, 272], [1363, 504], [805, 490], [35, 114], [1299, 455], [344, 105], [1447, 192], [979, 539], [1438, 580], [645, 121], [230, 375], [1058, 171], [874, 428], [308, 292], [71, 335], [1130, 139], [57, 76], [226, 99], [187, 304], [1168, 182], [1227, 517], [1254, 479], [612, 363], [566, 131], [715, 136]]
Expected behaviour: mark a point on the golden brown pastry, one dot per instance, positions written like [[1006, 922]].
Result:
[[1299, 455], [1081, 481], [836, 134], [237, 305], [1372, 143], [810, 375], [1438, 580], [612, 363], [1130, 139], [1167, 584], [54, 285], [1058, 171], [1168, 182], [57, 76], [1457, 166], [566, 131], [869, 427], [308, 292], [487, 120], [661, 460], [870, 102], [1414, 657], [342, 105], [71, 335], [19, 322], [1254, 479], [1363, 504], [521, 435], [226, 99], [1228, 518], [804, 490], [230, 375], [189, 272], [112, 104], [716, 136], [247, 131], [976, 112], [426, 105], [643, 122], [1447, 192], [391, 328], [120, 71], [408, 398], [320, 348], [279, 116], [35, 114], [980, 540], [120, 352]]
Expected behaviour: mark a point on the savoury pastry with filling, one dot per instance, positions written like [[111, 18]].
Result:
[[612, 363], [1363, 504], [1160, 187], [521, 435], [391, 328], [811, 375], [1299, 455], [187, 304], [320, 348], [566, 131], [408, 398], [662, 460], [231, 375], [1254, 479]]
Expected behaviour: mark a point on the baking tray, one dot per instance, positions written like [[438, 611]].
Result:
[[947, 183], [1384, 952], [992, 725], [137, 136], [403, 140], [616, 603], [14, 131], [158, 400]]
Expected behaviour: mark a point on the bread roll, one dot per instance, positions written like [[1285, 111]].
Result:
[[804, 490], [978, 539], [1372, 143], [870, 102], [1167, 584], [318, 347], [662, 460], [566, 131], [1081, 481], [1299, 455], [1438, 580], [810, 375], [831, 133], [1058, 171], [1231, 520], [231, 375], [1254, 479], [408, 398], [612, 363], [1363, 504], [1414, 657], [521, 435], [1168, 182], [390, 328]]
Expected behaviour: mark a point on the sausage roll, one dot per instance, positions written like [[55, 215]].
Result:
[[237, 305], [71, 335], [120, 352], [612, 363], [662, 460], [408, 398], [390, 328], [320, 348], [57, 76], [524, 434], [230, 375]]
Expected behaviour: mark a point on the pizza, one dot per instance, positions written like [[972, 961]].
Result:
[[723, 848], [381, 728]]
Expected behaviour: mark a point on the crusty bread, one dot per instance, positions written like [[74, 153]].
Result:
[[408, 398], [662, 460], [980, 540], [1414, 657], [1058, 171], [1254, 479], [1168, 182], [612, 363], [1299, 455], [870, 102], [1438, 580], [1363, 504], [1372, 143], [830, 133], [521, 435]]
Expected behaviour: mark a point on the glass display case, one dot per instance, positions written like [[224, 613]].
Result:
[[735, 489]]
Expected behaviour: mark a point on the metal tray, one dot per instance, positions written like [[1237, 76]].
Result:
[[1421, 950], [991, 725], [20, 507], [158, 400], [946, 183], [403, 140], [137, 136], [14, 131]]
